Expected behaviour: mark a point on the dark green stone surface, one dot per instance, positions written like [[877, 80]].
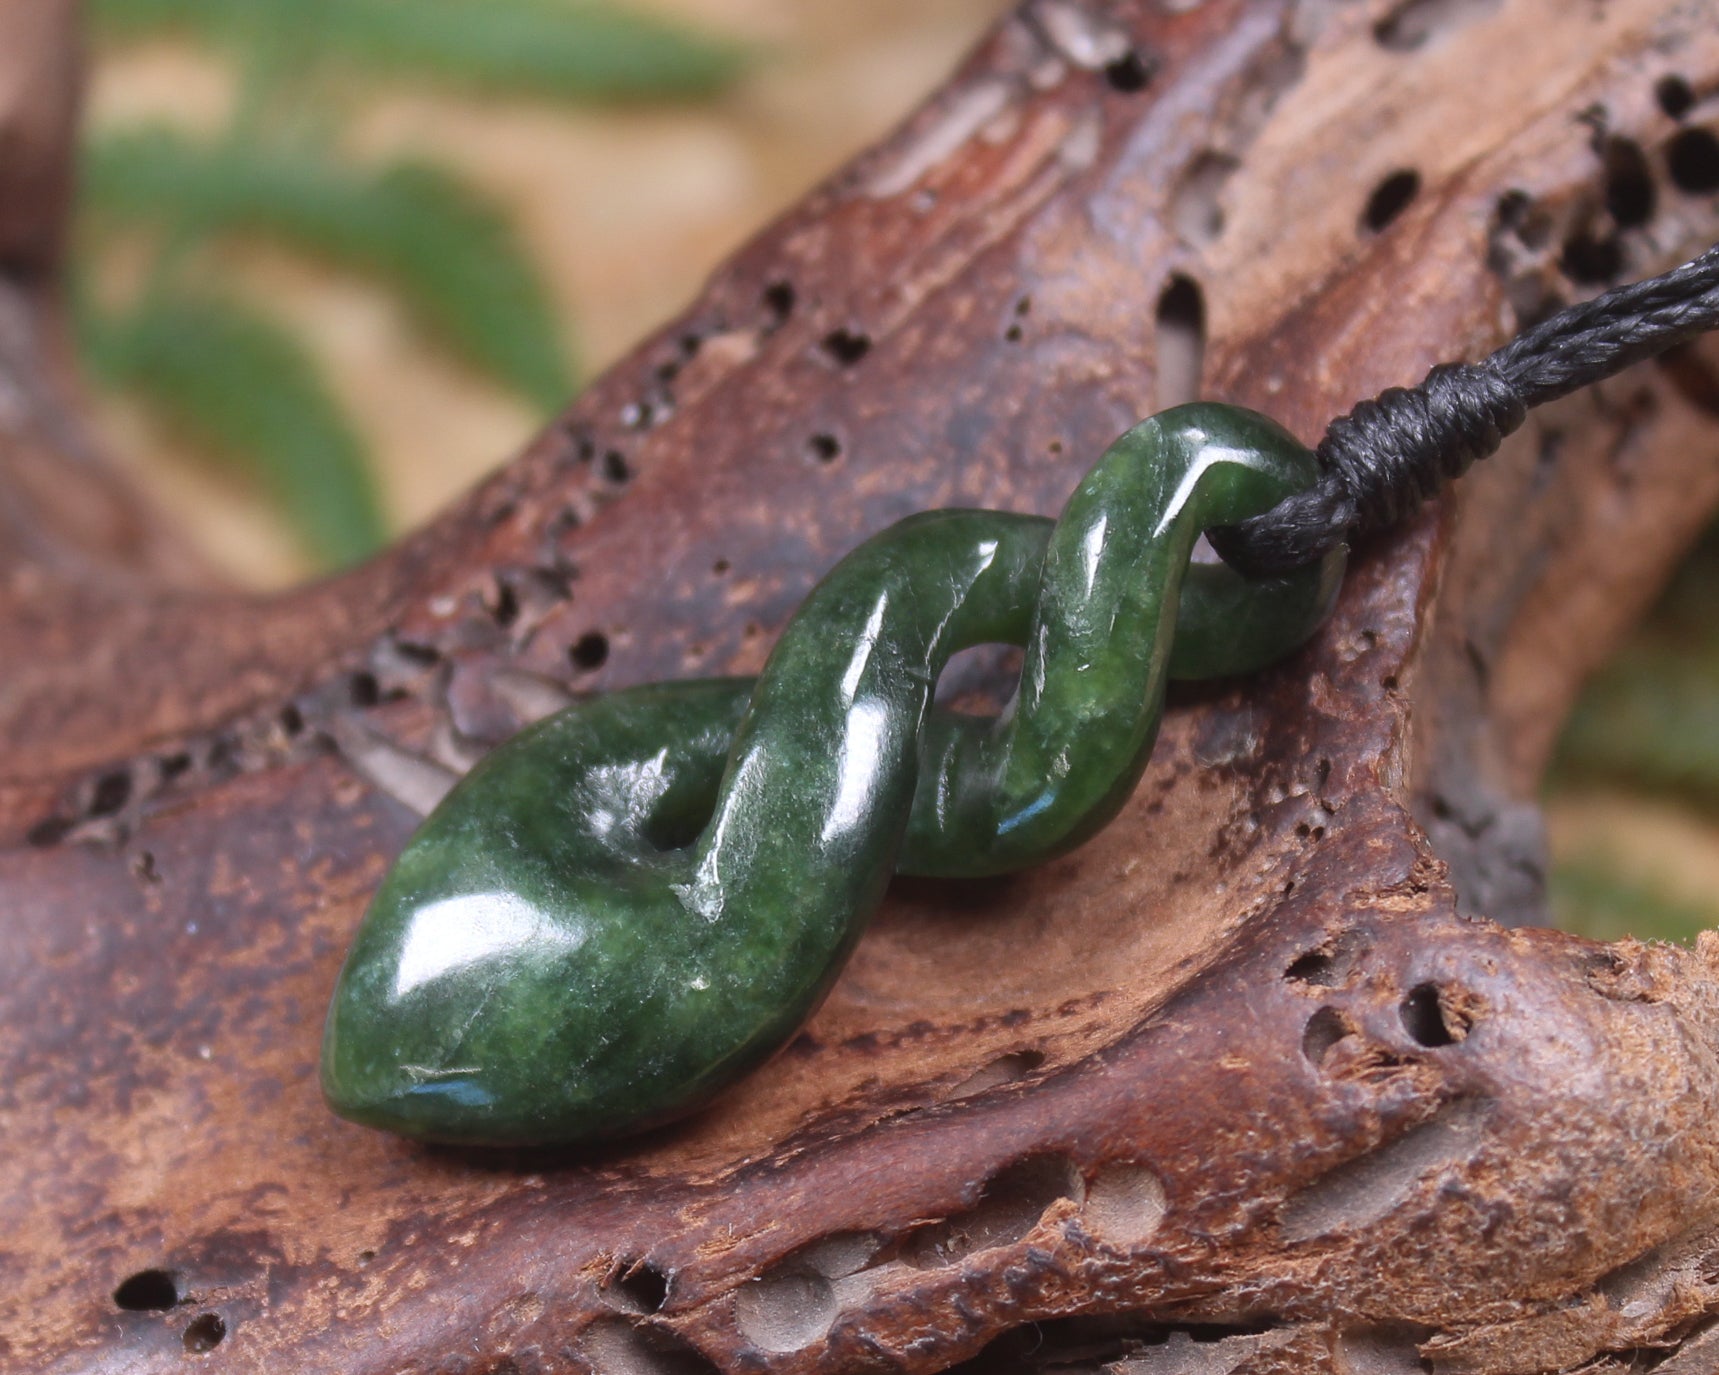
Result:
[[626, 907]]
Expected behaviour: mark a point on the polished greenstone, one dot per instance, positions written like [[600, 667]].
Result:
[[626, 907]]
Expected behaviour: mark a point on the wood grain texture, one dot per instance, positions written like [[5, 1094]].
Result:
[[1249, 1084]]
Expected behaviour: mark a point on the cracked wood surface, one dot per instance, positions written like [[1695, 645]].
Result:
[[1248, 1084]]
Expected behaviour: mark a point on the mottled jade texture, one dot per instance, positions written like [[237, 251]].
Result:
[[624, 909]]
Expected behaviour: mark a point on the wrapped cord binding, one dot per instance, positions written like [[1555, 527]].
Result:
[[1387, 456]]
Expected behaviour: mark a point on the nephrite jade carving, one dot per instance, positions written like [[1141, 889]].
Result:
[[626, 907]]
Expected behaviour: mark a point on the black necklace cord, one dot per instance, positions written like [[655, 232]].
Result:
[[1386, 457]]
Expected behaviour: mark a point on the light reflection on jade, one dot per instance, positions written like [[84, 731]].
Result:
[[628, 906]]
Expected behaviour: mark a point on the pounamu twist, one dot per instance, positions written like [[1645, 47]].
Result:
[[631, 904]]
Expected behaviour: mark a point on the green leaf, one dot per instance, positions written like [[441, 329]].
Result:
[[558, 49], [243, 390], [1600, 899], [448, 253]]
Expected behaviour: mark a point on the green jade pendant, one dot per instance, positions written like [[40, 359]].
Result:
[[628, 906]]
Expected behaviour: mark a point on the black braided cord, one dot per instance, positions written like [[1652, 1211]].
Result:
[[1386, 457]]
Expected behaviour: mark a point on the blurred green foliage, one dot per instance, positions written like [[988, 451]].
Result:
[[555, 49], [212, 363], [243, 387], [1648, 723], [449, 255], [1599, 898]]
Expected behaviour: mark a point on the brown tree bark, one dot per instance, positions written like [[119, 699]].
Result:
[[1265, 1078]]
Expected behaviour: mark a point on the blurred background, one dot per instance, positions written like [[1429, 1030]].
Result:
[[399, 234], [338, 258]]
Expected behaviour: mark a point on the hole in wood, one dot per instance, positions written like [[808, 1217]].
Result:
[[785, 1309], [1181, 340], [1005, 1069], [1381, 1351], [1130, 1343], [47, 832], [846, 347], [1432, 1018], [1360, 1192], [1590, 258], [1129, 73], [826, 448], [1692, 159], [779, 300], [1125, 1204], [616, 1347], [837, 1255], [1631, 195], [1325, 1028], [204, 1333], [590, 651], [615, 466], [1390, 198], [1196, 209], [1014, 1201], [1328, 965], [637, 1286], [364, 690], [1519, 213], [148, 1291], [1673, 95], [112, 791], [1409, 25], [505, 609]]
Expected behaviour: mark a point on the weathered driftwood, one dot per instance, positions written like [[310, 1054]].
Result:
[[1241, 1086]]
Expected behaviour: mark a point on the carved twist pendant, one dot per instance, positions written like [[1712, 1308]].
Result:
[[628, 906]]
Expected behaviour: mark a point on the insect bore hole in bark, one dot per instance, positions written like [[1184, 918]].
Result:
[[148, 1291], [846, 346], [1129, 74], [1427, 1018], [1390, 198], [112, 792], [1631, 195], [590, 651], [1125, 1203], [618, 1345], [1325, 1028], [639, 1287], [780, 299], [1590, 258], [785, 1309], [204, 1333], [1411, 24], [1013, 1203], [1181, 337], [1329, 965], [1693, 161], [1674, 95]]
